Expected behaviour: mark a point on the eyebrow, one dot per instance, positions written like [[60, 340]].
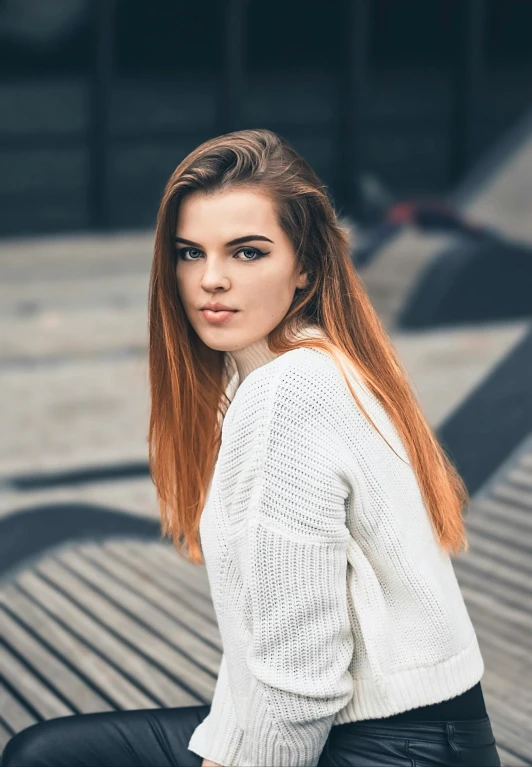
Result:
[[237, 241]]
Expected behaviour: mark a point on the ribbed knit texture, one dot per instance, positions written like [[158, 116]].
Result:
[[334, 600]]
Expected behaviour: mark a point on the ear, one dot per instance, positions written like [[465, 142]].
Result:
[[302, 280]]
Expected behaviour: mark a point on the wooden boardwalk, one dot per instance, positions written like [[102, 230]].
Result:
[[125, 624]]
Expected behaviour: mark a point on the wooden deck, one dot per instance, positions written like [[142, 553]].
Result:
[[124, 624]]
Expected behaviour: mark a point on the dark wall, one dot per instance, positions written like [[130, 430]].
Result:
[[165, 86]]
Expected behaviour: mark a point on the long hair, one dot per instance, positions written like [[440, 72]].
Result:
[[187, 378]]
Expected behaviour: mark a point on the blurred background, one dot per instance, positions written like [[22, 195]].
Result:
[[418, 117], [100, 98]]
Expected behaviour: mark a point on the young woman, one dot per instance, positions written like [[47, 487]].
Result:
[[291, 457]]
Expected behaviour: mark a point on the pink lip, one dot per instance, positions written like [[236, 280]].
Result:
[[217, 317]]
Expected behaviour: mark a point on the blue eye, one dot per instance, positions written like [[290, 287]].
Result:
[[181, 252], [256, 252]]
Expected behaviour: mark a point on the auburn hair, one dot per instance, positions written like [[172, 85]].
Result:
[[187, 378]]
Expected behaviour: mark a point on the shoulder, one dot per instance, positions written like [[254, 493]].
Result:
[[303, 385], [298, 373]]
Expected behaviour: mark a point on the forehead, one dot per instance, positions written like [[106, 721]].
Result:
[[225, 211]]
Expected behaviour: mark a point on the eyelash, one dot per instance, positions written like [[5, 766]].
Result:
[[259, 254]]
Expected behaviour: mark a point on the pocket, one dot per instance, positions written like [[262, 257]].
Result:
[[431, 753], [346, 749]]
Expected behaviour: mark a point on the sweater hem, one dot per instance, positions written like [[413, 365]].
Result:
[[415, 687]]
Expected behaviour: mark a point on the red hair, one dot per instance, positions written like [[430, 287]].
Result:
[[187, 378]]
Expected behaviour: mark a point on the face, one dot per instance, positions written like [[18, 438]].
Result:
[[231, 249]]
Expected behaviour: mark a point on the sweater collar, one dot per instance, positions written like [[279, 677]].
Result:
[[244, 361]]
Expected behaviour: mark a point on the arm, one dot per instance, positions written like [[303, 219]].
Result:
[[218, 737], [294, 563]]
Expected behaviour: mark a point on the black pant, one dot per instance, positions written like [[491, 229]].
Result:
[[159, 738]]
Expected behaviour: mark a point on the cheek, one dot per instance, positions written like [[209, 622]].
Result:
[[181, 284], [272, 283]]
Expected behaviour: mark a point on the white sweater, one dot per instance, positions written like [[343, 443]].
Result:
[[334, 601]]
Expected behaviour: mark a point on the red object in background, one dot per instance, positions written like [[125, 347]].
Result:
[[428, 215]]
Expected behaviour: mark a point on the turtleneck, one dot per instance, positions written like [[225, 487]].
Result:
[[256, 354]]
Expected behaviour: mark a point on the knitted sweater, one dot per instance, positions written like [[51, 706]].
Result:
[[335, 602]]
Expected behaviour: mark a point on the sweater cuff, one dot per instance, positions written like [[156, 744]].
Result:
[[219, 737]]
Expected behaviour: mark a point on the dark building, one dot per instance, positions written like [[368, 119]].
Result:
[[101, 99]]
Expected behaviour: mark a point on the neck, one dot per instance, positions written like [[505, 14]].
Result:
[[256, 354]]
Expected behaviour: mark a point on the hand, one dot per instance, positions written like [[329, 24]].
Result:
[[208, 763]]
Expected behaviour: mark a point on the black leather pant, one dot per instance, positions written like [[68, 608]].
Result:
[[411, 744], [159, 738]]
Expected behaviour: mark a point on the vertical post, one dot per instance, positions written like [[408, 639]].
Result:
[[467, 73], [233, 66], [351, 106], [99, 98]]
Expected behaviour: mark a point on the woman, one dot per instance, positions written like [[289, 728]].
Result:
[[288, 449]]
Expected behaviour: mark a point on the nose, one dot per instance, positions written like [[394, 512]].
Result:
[[214, 276]]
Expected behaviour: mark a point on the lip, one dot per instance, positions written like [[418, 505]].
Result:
[[218, 317], [217, 305]]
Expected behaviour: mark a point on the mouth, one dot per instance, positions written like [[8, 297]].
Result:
[[218, 315]]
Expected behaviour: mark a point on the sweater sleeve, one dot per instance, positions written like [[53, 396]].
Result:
[[293, 561], [218, 737]]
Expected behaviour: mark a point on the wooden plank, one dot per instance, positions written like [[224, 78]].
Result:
[[496, 646], [193, 677], [513, 494], [504, 512], [508, 669], [80, 696], [506, 524], [480, 560], [41, 697], [174, 586], [510, 539], [513, 732], [5, 735], [188, 573], [499, 582], [140, 579], [502, 594], [102, 674], [520, 476], [189, 588], [511, 655], [516, 623], [130, 671], [194, 651], [508, 759], [489, 508], [525, 461], [13, 712], [507, 737], [501, 552], [507, 689], [192, 577], [499, 693]]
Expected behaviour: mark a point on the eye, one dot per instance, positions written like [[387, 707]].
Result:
[[181, 253], [254, 251]]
